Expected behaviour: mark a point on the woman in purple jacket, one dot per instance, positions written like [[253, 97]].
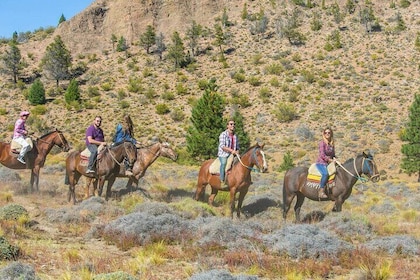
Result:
[[326, 155]]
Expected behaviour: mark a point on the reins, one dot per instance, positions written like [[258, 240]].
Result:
[[113, 158], [249, 167], [357, 176]]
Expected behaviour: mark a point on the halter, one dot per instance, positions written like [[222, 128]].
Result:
[[253, 156], [364, 165]]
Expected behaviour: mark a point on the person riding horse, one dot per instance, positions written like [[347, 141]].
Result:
[[94, 138], [19, 135]]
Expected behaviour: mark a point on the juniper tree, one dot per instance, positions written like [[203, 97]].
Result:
[[72, 92], [62, 19], [207, 123], [12, 61], [148, 38], [36, 94], [193, 34], [57, 61], [411, 150]]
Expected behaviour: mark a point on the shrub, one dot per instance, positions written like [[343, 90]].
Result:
[[287, 162], [72, 92], [37, 93], [162, 109], [8, 251], [285, 112], [12, 212]]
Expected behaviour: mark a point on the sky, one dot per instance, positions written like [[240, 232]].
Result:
[[30, 15]]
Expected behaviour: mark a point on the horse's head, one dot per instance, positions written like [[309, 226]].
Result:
[[167, 151], [258, 158], [61, 141], [369, 167]]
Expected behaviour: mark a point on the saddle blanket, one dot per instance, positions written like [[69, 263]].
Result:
[[85, 154], [214, 168], [314, 176], [15, 147]]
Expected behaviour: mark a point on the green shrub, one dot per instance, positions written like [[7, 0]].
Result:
[[162, 109], [285, 112], [36, 93], [254, 81], [12, 212], [72, 92], [287, 162], [8, 251], [119, 275], [39, 110], [177, 115]]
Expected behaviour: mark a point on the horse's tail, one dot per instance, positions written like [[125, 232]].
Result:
[[285, 193]]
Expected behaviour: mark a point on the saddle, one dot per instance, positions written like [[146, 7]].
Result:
[[15, 147], [214, 168], [85, 154], [314, 176]]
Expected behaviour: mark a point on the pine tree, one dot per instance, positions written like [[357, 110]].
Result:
[[160, 45], [122, 44], [11, 61], [176, 50], [62, 19], [148, 38], [207, 123], [193, 34], [411, 159], [57, 60], [72, 92], [36, 94]]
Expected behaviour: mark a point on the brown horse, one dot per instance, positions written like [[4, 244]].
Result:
[[35, 158], [107, 167], [145, 157], [345, 178], [238, 178]]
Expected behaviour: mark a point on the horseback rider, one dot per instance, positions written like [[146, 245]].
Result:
[[326, 155], [228, 144], [19, 135], [124, 132], [94, 138]]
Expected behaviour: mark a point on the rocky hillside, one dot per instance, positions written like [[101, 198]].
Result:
[[361, 89]]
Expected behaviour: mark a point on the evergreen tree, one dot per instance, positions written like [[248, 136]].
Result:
[[72, 92], [57, 60], [36, 94], [148, 38], [62, 18], [243, 138], [221, 37], [11, 61], [411, 160], [122, 44], [176, 50], [193, 34], [207, 123], [160, 45]]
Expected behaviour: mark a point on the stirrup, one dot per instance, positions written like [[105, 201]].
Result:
[[321, 193]]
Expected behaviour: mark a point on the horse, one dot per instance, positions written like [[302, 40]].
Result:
[[107, 167], [238, 178], [35, 159], [347, 174], [145, 157]]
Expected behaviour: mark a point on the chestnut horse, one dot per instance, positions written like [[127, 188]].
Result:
[[107, 167], [238, 178], [346, 176], [35, 159], [145, 157]]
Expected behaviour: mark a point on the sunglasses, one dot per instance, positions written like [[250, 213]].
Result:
[[327, 132], [231, 124]]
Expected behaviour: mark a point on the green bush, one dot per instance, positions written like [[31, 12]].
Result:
[[12, 212], [162, 109], [8, 251], [119, 275], [287, 162], [285, 112], [37, 93], [72, 92]]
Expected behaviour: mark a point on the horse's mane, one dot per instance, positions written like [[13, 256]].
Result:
[[356, 157], [235, 161], [48, 133]]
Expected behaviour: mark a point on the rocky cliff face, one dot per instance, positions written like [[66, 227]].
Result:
[[91, 30]]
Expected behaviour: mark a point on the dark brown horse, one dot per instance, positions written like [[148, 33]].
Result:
[[35, 158], [347, 174], [145, 157], [107, 167], [238, 178]]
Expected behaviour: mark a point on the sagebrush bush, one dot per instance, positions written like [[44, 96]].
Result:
[[8, 251], [12, 212]]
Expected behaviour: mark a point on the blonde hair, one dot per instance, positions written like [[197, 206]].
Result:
[[331, 142]]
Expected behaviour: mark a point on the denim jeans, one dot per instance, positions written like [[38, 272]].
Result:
[[93, 154], [324, 174], [223, 162]]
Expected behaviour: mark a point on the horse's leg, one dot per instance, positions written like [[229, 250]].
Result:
[[73, 179], [111, 181], [299, 201], [232, 192], [287, 202], [100, 185], [200, 190], [338, 204], [213, 194], [87, 189], [240, 201], [35, 178]]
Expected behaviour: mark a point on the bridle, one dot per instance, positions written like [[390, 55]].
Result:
[[113, 157], [254, 157], [365, 165], [60, 135]]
